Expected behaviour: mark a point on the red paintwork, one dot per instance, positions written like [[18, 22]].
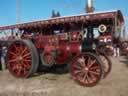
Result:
[[104, 36], [49, 48], [75, 36], [106, 46], [66, 50], [63, 53], [75, 48], [105, 42], [63, 36], [60, 44]]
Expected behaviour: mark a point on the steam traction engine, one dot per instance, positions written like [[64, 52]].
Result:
[[62, 40]]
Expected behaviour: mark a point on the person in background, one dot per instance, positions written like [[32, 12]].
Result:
[[116, 50], [17, 36], [4, 52], [0, 57]]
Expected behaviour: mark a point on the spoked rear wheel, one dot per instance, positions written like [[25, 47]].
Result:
[[86, 69], [22, 58]]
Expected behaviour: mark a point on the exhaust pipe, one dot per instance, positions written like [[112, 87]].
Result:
[[89, 6], [89, 3]]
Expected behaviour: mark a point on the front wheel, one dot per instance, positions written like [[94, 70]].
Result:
[[86, 69]]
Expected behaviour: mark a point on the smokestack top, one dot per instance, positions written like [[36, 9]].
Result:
[[89, 3], [89, 6]]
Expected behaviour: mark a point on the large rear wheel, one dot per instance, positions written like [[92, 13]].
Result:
[[86, 69], [22, 58]]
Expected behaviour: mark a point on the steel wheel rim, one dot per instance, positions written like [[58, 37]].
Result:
[[87, 74], [106, 65], [19, 59]]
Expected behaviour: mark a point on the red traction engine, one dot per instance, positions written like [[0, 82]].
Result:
[[86, 67], [59, 41]]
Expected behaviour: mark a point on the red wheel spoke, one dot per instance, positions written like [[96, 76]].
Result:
[[13, 60], [78, 67], [12, 53], [94, 68], [26, 66], [93, 77], [26, 55], [24, 50], [92, 62], [80, 75], [77, 71], [82, 61], [85, 77], [19, 72], [88, 61], [14, 68], [95, 73], [28, 60], [16, 49]]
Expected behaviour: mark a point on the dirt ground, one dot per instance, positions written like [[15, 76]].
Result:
[[50, 84]]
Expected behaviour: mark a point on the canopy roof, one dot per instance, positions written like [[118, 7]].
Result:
[[67, 19]]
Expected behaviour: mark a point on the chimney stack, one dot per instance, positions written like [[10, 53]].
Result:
[[89, 6]]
